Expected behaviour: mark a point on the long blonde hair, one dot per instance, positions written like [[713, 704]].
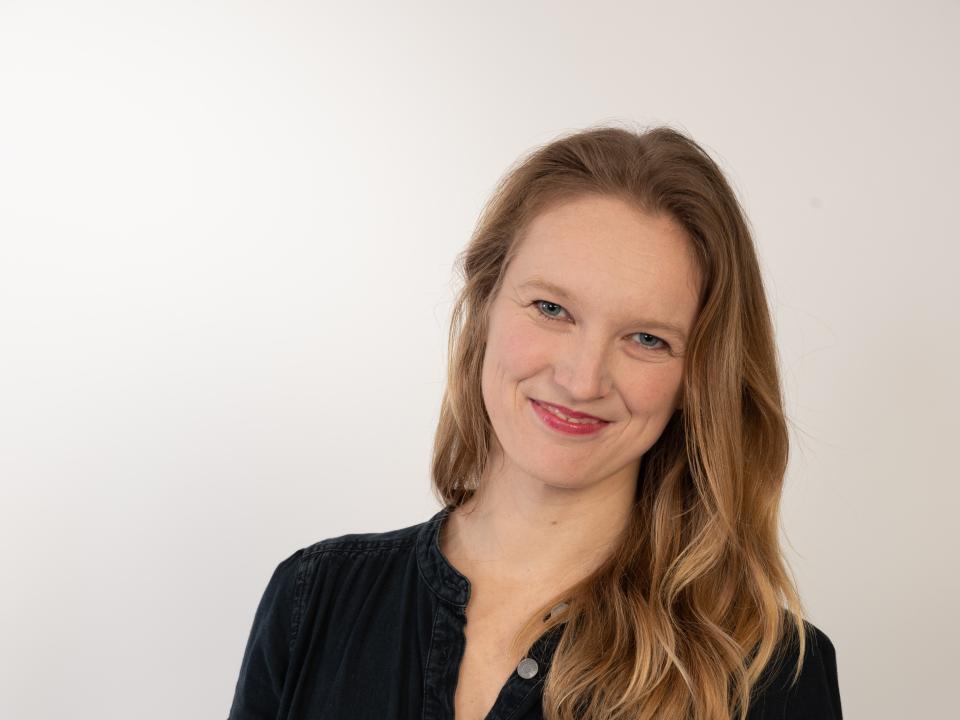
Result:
[[696, 601]]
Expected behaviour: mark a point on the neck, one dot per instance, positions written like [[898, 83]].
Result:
[[523, 535]]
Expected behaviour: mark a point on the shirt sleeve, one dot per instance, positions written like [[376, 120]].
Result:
[[816, 693], [816, 696], [267, 655]]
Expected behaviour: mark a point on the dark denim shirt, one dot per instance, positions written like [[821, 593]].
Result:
[[371, 627]]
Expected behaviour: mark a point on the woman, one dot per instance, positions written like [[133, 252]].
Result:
[[609, 457]]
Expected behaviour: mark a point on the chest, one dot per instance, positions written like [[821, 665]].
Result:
[[484, 671], [487, 662]]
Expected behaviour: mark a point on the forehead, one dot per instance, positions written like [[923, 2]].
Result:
[[606, 253]]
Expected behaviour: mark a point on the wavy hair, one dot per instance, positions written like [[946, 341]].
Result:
[[696, 601]]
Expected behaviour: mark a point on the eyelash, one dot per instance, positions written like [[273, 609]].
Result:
[[536, 304]]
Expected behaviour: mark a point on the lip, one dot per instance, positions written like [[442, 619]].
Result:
[[568, 412], [562, 426]]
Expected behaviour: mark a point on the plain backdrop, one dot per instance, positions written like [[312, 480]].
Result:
[[227, 233]]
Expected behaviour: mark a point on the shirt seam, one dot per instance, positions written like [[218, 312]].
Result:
[[357, 546], [298, 599], [426, 672], [522, 703]]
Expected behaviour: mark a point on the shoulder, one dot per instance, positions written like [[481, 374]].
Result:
[[814, 694], [293, 569], [320, 591], [366, 542], [357, 555], [333, 556]]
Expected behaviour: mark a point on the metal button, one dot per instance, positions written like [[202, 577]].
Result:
[[558, 608], [555, 610], [527, 668]]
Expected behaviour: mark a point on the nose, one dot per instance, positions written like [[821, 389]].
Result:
[[583, 371]]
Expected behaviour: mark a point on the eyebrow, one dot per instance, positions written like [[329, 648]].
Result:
[[542, 284]]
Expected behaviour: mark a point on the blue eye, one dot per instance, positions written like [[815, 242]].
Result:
[[540, 304], [652, 337]]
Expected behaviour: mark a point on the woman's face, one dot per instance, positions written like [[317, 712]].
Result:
[[581, 320]]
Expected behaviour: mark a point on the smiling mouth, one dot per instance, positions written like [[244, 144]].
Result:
[[569, 415], [557, 422]]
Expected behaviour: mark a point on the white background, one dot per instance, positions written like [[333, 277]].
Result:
[[226, 242]]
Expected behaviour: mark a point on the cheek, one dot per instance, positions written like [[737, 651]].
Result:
[[656, 390], [514, 349]]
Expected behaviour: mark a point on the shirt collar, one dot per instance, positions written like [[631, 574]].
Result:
[[444, 579], [452, 586]]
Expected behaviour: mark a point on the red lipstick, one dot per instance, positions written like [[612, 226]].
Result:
[[587, 425]]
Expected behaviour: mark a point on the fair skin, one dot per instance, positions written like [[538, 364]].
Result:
[[552, 505]]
